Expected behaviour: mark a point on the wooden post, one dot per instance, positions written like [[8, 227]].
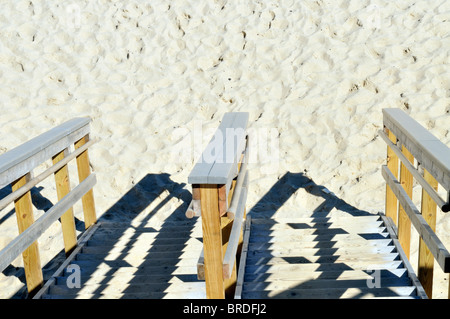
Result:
[[62, 189], [392, 164], [404, 223], [426, 259], [212, 241], [84, 171], [25, 218]]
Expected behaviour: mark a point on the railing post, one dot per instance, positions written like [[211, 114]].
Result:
[[404, 223], [25, 218], [212, 241], [392, 164], [426, 259], [84, 171], [63, 188], [229, 283]]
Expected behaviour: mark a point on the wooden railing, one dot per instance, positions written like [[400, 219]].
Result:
[[16, 169], [408, 142], [219, 190]]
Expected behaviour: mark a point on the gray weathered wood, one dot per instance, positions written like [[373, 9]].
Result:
[[433, 243], [36, 180], [243, 259], [431, 153], [32, 233], [241, 182], [22, 159], [233, 242], [219, 167]]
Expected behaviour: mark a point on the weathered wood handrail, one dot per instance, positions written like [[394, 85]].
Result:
[[214, 177], [16, 169], [434, 157]]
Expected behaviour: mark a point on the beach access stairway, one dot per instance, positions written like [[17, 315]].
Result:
[[216, 250]]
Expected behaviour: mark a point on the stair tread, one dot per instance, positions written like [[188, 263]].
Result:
[[333, 293]]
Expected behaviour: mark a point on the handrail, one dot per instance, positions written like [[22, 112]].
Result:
[[434, 157], [219, 192], [16, 169]]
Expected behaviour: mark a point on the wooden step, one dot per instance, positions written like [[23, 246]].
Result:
[[197, 294], [144, 243], [315, 231], [131, 288], [324, 274], [315, 225], [294, 269], [118, 263], [324, 283], [140, 256], [126, 278], [313, 220], [347, 259], [117, 236], [319, 244], [190, 244], [296, 238], [303, 252], [332, 293]]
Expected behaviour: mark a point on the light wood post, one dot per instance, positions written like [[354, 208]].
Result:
[[212, 241], [426, 259], [25, 218], [404, 223], [84, 171], [392, 164], [67, 220], [229, 283]]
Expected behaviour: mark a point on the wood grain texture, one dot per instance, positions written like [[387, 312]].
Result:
[[404, 223], [212, 241], [426, 259], [84, 171], [67, 219], [25, 218], [392, 164]]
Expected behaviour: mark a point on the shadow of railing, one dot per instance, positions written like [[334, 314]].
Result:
[[149, 191], [323, 239]]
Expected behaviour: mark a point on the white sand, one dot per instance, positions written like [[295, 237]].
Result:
[[318, 72]]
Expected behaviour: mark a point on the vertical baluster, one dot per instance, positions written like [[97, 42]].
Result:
[[212, 241], [426, 259], [84, 171], [392, 164], [404, 223], [63, 188], [25, 218]]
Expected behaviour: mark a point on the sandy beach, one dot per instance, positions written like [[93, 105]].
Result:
[[315, 75]]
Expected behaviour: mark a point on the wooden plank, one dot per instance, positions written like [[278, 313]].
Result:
[[22, 159], [404, 224], [225, 168], [202, 168], [223, 202], [230, 254], [241, 182], [392, 164], [84, 172], [30, 252], [433, 243], [430, 190], [426, 259], [32, 233], [431, 153], [36, 180], [212, 241], [243, 259], [62, 189]]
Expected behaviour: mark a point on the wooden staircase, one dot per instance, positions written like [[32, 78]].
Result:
[[325, 258], [123, 261]]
